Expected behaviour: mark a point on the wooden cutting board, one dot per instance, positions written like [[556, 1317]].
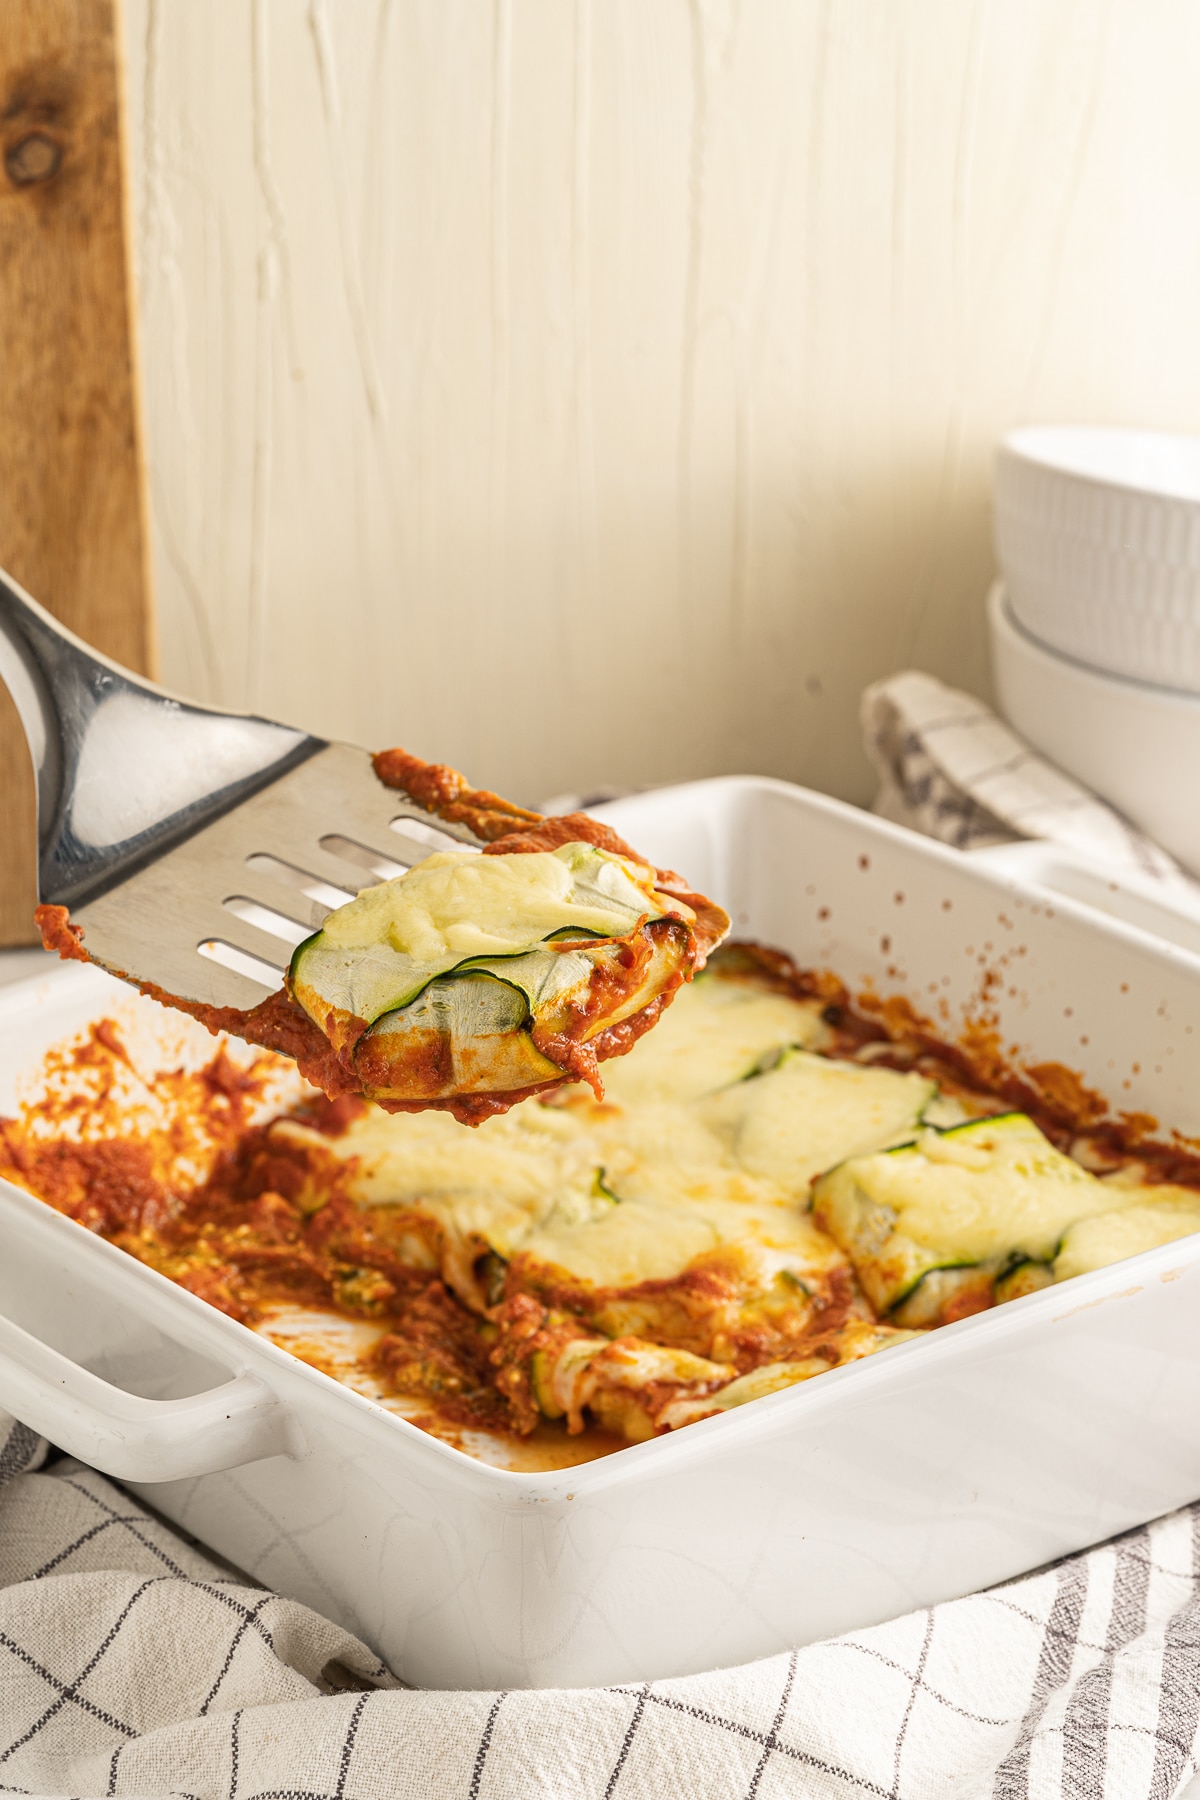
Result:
[[72, 507]]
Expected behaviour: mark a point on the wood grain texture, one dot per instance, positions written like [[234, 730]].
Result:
[[71, 511], [591, 393]]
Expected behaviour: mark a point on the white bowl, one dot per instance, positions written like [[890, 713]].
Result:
[[1135, 745], [1098, 536]]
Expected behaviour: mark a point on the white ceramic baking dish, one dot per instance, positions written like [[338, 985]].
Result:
[[929, 1470]]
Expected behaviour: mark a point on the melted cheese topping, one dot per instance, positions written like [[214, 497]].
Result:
[[798, 1120], [1149, 1217], [641, 1186], [984, 1191], [714, 1032], [457, 904]]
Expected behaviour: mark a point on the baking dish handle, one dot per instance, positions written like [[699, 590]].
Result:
[[127, 1436], [1053, 869]]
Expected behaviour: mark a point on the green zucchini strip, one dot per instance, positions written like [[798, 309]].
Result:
[[938, 1220], [458, 912]]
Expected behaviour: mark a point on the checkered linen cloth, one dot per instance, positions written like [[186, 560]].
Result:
[[948, 767], [133, 1664]]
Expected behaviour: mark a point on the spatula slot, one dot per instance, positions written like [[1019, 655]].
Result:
[[251, 967], [293, 877], [276, 924], [428, 836], [363, 857]]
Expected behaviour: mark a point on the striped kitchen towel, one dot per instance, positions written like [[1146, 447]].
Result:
[[133, 1664], [950, 768]]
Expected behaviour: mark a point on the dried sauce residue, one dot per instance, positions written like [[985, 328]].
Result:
[[181, 1172], [1055, 1097]]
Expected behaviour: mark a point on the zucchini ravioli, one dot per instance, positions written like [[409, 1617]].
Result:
[[474, 980], [640, 1261], [491, 975], [771, 1187]]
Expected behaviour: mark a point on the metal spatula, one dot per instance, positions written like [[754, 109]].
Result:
[[195, 847]]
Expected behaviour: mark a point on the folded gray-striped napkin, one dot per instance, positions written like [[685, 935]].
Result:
[[950, 768], [133, 1664]]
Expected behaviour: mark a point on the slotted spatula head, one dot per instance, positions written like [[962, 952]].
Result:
[[196, 848]]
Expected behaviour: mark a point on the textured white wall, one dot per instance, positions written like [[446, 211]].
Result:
[[605, 391]]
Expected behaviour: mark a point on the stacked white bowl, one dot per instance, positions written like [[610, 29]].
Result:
[[1095, 629]]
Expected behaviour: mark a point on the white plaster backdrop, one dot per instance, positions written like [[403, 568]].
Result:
[[594, 391]]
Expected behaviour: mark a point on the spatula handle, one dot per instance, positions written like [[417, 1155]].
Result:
[[123, 769], [50, 674]]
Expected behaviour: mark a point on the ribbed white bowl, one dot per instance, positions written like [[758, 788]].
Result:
[[1136, 746], [1098, 536]]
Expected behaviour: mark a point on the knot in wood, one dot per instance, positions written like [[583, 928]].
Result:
[[35, 157]]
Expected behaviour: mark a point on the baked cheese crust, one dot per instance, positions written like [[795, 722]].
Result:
[[771, 1187]]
